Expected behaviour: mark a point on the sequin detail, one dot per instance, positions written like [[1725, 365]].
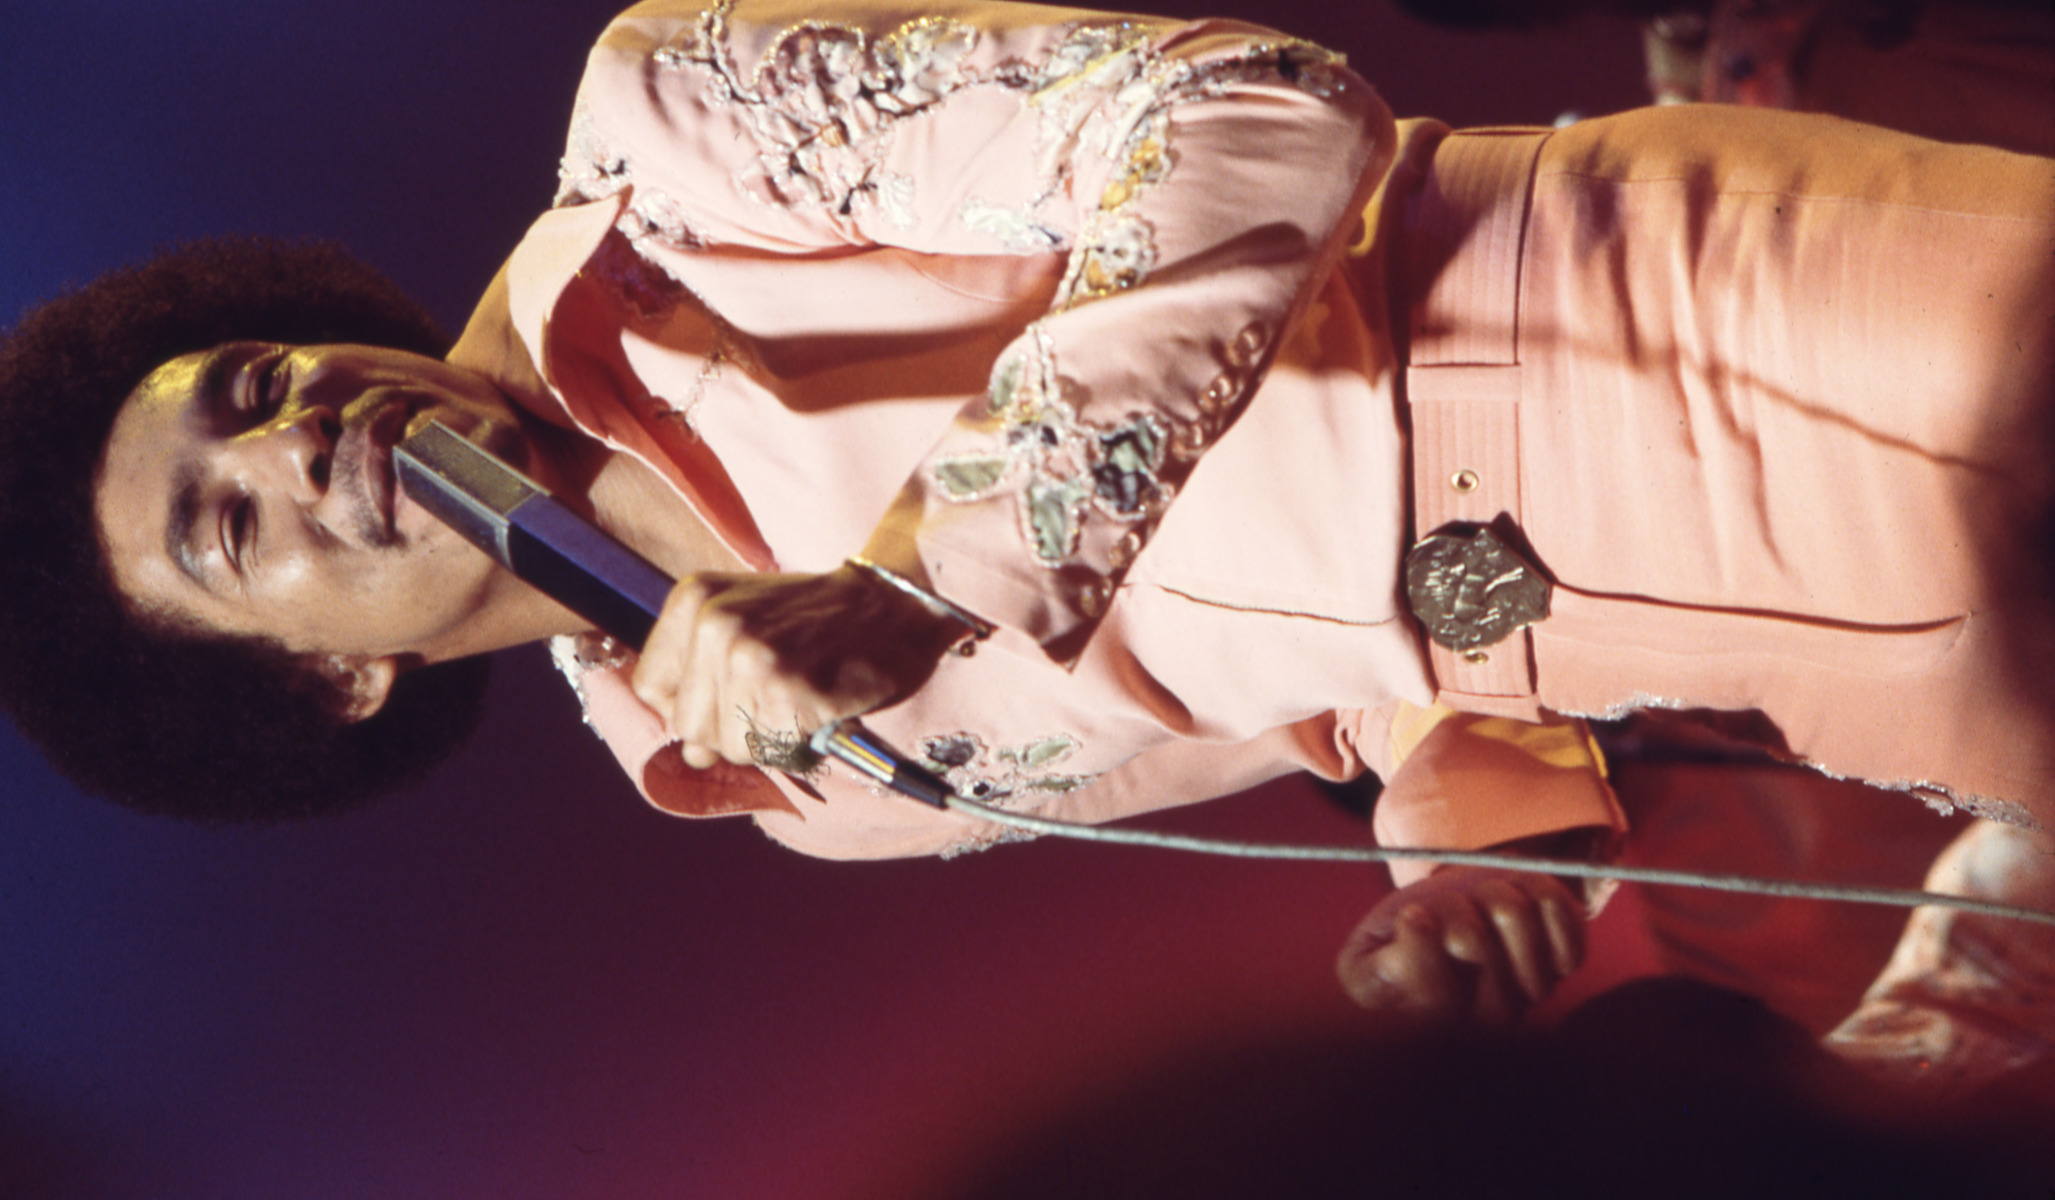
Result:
[[820, 106], [574, 655]]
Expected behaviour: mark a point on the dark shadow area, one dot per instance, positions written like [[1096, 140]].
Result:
[[1659, 1088]]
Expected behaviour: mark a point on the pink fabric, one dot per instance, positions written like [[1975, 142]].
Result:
[[1783, 437], [899, 278], [855, 348]]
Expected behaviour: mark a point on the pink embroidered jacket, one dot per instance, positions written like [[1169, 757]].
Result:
[[1050, 297]]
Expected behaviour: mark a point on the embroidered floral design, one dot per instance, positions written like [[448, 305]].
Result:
[[1060, 466], [1125, 465], [1115, 254], [821, 99], [821, 104], [1055, 513], [1090, 56], [592, 170], [1000, 777], [1116, 249]]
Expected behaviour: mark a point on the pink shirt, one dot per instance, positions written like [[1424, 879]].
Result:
[[1015, 274]]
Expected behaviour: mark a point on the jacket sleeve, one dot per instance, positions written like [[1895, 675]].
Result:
[[1192, 180]]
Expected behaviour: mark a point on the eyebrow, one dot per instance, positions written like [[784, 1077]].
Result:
[[178, 529], [184, 513]]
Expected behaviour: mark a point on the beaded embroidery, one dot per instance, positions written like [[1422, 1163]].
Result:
[[575, 654], [823, 101], [1116, 249], [821, 98], [1001, 777], [984, 837], [1062, 466]]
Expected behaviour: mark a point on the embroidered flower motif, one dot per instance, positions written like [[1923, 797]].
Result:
[[1114, 255], [1117, 249], [895, 192], [1005, 777], [1089, 56], [822, 102], [1060, 466], [921, 61], [822, 97], [592, 170]]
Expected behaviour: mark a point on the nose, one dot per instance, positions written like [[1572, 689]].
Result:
[[289, 454]]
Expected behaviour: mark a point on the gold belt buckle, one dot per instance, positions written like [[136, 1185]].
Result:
[[1470, 589]]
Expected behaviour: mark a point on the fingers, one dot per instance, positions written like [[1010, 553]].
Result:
[[736, 664], [1515, 918], [665, 663], [1406, 975], [1470, 935], [1564, 918], [701, 674], [1465, 944]]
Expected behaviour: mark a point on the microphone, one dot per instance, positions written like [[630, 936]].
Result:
[[546, 545]]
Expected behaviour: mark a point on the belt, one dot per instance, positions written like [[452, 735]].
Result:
[[1459, 266]]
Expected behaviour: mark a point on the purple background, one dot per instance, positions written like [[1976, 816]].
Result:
[[517, 981]]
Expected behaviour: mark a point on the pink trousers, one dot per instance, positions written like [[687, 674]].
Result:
[[1768, 396]]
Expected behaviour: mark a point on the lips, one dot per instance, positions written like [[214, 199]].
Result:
[[365, 455]]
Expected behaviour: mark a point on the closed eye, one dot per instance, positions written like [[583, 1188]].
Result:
[[239, 526], [264, 384]]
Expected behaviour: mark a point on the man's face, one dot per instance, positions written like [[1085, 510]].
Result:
[[249, 489]]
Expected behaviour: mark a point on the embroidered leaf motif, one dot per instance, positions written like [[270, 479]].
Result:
[[1129, 457], [1058, 783], [1053, 510], [1014, 228], [965, 477], [951, 750], [994, 775], [1041, 753]]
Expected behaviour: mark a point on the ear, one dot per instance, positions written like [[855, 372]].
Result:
[[361, 682]]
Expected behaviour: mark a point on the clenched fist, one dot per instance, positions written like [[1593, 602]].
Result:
[[1467, 943], [736, 654]]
